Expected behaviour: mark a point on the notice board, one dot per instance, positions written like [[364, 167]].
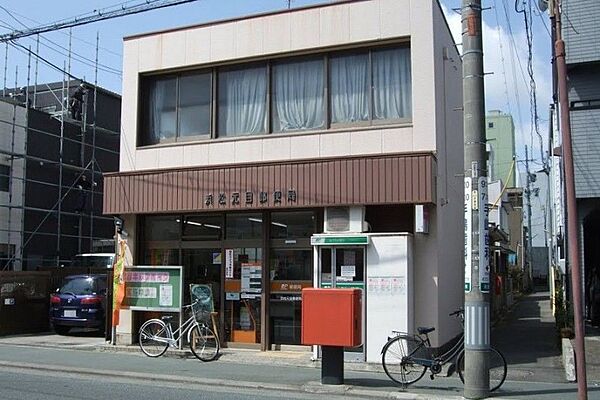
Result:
[[153, 288]]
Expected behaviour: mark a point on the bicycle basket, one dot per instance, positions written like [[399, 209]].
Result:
[[200, 313], [202, 301]]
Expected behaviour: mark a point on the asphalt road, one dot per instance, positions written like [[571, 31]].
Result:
[[23, 384]]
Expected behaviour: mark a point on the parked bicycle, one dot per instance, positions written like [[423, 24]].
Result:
[[156, 335], [407, 357]]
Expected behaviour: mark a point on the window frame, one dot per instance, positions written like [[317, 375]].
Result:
[[268, 63], [288, 60], [216, 133], [143, 108]]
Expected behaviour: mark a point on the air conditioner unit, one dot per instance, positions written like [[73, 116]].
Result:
[[344, 219]]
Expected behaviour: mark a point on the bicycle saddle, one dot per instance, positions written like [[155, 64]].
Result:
[[166, 318], [423, 331]]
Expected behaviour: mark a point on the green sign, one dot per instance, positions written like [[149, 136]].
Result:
[[153, 288], [344, 285], [342, 240]]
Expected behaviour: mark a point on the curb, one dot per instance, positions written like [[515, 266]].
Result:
[[309, 387]]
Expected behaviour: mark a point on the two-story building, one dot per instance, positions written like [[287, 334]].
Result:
[[319, 146], [581, 35]]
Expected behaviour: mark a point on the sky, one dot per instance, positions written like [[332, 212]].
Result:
[[507, 83]]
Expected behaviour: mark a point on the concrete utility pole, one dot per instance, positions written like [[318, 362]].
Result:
[[477, 280], [529, 232], [573, 252]]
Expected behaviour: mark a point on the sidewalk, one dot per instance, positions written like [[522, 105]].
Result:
[[526, 337]]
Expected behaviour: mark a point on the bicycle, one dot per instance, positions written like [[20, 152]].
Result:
[[407, 357], [156, 335]]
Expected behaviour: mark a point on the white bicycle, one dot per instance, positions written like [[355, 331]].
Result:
[[156, 335]]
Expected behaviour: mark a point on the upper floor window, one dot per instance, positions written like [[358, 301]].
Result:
[[242, 101], [176, 108], [391, 84], [362, 87], [298, 95]]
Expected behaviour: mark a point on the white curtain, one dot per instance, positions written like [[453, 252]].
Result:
[[161, 112], [243, 101], [392, 84], [349, 80], [298, 96]]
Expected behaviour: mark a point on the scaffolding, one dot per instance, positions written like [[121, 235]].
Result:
[[67, 190]]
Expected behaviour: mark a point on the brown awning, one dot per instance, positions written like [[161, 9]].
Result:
[[389, 179]]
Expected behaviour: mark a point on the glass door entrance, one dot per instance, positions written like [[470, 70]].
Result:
[[243, 289], [203, 266], [344, 268]]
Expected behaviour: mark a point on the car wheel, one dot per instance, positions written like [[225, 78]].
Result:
[[61, 330]]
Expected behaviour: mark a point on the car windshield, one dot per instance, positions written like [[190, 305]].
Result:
[[79, 286]]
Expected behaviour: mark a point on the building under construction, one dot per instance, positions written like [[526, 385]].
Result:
[[56, 141]]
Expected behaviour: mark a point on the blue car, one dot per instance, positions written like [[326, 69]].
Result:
[[80, 302]]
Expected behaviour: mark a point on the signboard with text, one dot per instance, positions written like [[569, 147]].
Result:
[[153, 288]]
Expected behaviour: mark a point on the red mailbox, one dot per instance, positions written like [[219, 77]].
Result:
[[332, 317]]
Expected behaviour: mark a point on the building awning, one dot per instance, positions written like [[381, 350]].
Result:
[[381, 179]]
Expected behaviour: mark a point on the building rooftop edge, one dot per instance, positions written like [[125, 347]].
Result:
[[240, 18]]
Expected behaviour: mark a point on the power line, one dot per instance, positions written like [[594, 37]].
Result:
[[82, 59], [107, 50], [94, 16]]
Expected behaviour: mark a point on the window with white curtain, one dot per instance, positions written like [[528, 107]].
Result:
[[349, 82], [370, 87], [242, 105], [364, 86], [176, 108], [298, 95], [392, 88]]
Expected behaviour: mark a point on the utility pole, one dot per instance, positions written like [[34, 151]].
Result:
[[529, 233], [573, 253], [477, 282]]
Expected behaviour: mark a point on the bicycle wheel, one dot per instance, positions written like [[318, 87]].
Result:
[[398, 359], [498, 368], [203, 343], [153, 338]]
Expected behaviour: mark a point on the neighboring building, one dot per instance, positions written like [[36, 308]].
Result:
[[500, 136], [517, 236], [274, 142], [12, 168], [540, 263], [501, 253], [581, 36], [56, 200]]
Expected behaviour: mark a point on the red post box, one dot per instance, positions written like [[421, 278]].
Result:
[[332, 317]]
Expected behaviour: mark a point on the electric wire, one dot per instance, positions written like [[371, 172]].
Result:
[[53, 45]]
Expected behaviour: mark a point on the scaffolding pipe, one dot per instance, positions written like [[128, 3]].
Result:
[[25, 140], [11, 172], [60, 167], [94, 142], [37, 51], [5, 70]]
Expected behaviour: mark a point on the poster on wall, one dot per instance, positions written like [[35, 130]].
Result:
[[251, 278], [229, 263]]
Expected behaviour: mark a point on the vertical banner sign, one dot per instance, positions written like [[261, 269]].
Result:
[[484, 237], [228, 263], [118, 281], [468, 237]]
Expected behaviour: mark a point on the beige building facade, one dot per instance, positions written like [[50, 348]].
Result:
[[253, 138]]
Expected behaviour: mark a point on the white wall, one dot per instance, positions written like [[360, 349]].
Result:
[[269, 36], [449, 280], [7, 111]]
